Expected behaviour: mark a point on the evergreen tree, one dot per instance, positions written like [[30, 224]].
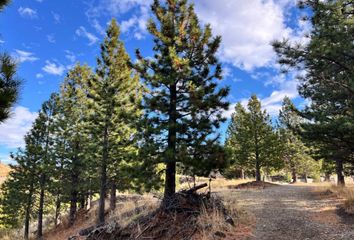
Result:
[[75, 138], [18, 191], [327, 60], [4, 3], [9, 85], [251, 140], [183, 103], [115, 97]]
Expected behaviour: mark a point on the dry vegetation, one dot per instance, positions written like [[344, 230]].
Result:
[[4, 172], [346, 194], [133, 210]]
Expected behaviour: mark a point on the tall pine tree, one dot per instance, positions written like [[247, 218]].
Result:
[[115, 98], [184, 103]]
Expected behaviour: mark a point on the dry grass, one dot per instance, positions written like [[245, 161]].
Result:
[[11, 234], [131, 207], [4, 172], [345, 193], [216, 184], [128, 211]]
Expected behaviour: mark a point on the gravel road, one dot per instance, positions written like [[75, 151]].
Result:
[[294, 213]]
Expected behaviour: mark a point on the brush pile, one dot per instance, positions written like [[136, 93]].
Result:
[[178, 217]]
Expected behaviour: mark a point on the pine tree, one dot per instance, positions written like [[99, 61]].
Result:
[[114, 95], [183, 103], [4, 3], [251, 139], [296, 154], [42, 132], [9, 85], [73, 131], [327, 60], [18, 191]]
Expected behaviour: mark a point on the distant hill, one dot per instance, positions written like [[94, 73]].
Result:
[[4, 172]]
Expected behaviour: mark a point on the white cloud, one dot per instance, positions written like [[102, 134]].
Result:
[[51, 38], [82, 32], [53, 68], [247, 28], [14, 129], [39, 75], [24, 56], [70, 56], [56, 17], [135, 25], [114, 7], [27, 12], [2, 41], [98, 27]]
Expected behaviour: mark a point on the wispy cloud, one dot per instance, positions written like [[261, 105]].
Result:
[[134, 26], [70, 56], [39, 75], [56, 17], [82, 32], [53, 68], [27, 12], [98, 27], [51, 38], [14, 129], [24, 56]]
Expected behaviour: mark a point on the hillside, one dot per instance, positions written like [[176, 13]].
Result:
[[4, 172]]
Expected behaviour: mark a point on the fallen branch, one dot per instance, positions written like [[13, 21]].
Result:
[[196, 188]]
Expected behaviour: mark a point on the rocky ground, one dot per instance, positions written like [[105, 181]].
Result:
[[294, 212]]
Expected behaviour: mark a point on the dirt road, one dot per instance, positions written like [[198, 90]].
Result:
[[294, 213]]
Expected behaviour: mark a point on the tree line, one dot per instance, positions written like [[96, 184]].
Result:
[[112, 128]]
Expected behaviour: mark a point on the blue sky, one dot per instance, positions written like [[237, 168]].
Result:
[[47, 37]]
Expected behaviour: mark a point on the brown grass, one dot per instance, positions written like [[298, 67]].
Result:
[[4, 172], [10, 234], [216, 184], [216, 224], [132, 207], [344, 193]]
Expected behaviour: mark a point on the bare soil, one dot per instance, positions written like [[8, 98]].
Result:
[[293, 212]]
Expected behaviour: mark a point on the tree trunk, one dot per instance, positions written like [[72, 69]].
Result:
[[294, 177], [327, 177], [258, 170], [113, 198], [28, 213], [40, 208], [258, 166], [242, 174], [73, 199], [89, 200], [103, 185], [74, 185], [82, 201], [339, 171], [305, 177], [57, 210], [170, 179]]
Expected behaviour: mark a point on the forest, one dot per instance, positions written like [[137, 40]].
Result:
[[147, 124]]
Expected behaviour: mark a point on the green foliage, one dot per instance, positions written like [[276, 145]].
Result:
[[4, 3], [296, 155], [183, 103], [9, 85], [328, 82], [251, 141]]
